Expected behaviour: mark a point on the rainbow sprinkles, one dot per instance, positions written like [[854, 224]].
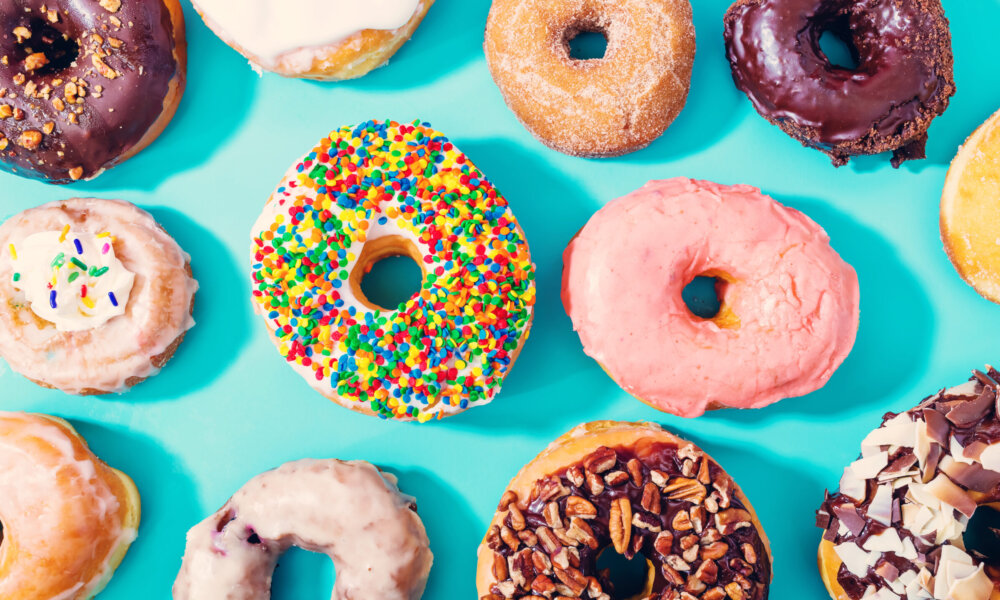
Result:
[[451, 344]]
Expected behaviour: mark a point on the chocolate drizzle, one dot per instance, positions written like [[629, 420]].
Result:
[[965, 417], [675, 506], [81, 83], [903, 79]]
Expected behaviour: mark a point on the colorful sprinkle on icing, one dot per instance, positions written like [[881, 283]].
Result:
[[449, 346]]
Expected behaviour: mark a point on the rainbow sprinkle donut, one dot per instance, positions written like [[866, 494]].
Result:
[[383, 189]]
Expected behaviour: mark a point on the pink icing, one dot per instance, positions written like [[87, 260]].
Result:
[[797, 301]]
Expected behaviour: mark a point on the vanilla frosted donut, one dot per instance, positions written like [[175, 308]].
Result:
[[388, 189], [789, 311], [350, 511], [894, 529], [67, 517], [315, 39], [94, 295]]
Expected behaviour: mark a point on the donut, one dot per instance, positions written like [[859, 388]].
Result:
[[311, 38], [95, 296], [600, 107], [630, 488], [903, 79], [384, 189], [789, 303], [894, 528], [68, 518], [85, 86], [351, 511], [969, 207]]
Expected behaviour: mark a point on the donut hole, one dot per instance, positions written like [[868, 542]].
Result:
[[302, 574], [60, 49], [586, 44], [703, 296], [836, 44], [982, 534], [388, 273], [630, 578]]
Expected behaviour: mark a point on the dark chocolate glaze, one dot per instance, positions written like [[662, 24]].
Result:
[[106, 72], [663, 458], [903, 80], [970, 419]]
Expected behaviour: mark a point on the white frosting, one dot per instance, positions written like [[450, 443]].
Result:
[[72, 280], [269, 29]]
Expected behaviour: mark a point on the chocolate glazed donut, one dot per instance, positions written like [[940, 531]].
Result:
[[85, 85], [903, 77]]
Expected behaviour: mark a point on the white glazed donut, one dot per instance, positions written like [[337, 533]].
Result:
[[315, 39], [350, 511], [120, 304]]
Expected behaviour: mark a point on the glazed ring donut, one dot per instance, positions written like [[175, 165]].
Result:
[[94, 295], [903, 80], [601, 107], [384, 189], [86, 85], [629, 488], [894, 529], [313, 39], [970, 204], [68, 518], [789, 311], [350, 511]]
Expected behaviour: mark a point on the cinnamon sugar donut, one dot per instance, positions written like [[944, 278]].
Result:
[[601, 107]]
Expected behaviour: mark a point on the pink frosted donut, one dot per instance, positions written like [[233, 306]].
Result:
[[789, 303]]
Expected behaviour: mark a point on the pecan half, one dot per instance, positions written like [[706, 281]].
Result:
[[542, 562], [664, 543], [575, 476], [732, 519], [714, 551], [749, 554], [516, 518], [508, 498], [548, 541], [600, 460], [685, 489], [651, 498], [552, 516], [620, 524], [528, 537], [634, 468], [595, 484], [499, 566], [509, 538], [580, 507]]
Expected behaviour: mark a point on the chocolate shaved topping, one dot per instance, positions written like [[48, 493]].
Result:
[[850, 517], [696, 533], [963, 419]]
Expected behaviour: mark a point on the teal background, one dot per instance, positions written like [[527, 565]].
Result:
[[227, 408]]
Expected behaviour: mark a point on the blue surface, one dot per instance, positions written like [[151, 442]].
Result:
[[228, 407]]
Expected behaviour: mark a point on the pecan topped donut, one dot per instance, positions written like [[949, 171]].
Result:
[[895, 527], [85, 85], [630, 488]]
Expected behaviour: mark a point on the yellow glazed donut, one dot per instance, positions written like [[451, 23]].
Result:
[[970, 210], [67, 517], [315, 39]]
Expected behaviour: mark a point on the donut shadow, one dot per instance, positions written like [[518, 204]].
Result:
[[169, 507], [714, 103], [450, 37], [552, 354], [221, 312], [892, 347], [217, 99], [785, 497]]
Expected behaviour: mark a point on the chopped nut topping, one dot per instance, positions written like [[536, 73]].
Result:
[[35, 61], [48, 128], [102, 67], [22, 33], [664, 543], [651, 498], [616, 478], [6, 111], [111, 6], [508, 497], [30, 139]]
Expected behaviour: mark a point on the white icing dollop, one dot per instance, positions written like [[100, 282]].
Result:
[[268, 29], [71, 279]]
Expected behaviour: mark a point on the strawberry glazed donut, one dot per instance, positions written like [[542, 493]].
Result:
[[600, 107], [789, 303], [351, 511]]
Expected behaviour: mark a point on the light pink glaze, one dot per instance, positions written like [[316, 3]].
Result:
[[348, 510], [797, 301]]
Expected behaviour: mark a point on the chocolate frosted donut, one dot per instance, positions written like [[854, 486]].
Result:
[[85, 85], [903, 77]]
